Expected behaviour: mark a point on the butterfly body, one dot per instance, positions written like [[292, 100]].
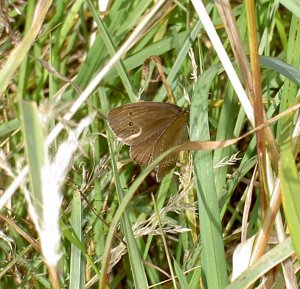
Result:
[[150, 128]]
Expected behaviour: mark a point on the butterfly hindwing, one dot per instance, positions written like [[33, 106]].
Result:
[[175, 134]]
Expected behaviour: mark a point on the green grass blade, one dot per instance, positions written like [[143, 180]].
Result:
[[124, 203], [136, 264], [290, 89], [77, 263], [292, 5], [9, 126], [227, 121], [181, 278], [139, 58], [213, 261], [68, 23], [268, 261], [288, 169], [35, 152], [21, 50], [180, 59], [290, 188], [110, 47], [282, 67]]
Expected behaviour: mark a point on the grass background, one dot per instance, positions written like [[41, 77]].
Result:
[[113, 225]]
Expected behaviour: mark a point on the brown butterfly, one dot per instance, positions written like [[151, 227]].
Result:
[[150, 128]]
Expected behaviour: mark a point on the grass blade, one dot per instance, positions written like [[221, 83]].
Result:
[[213, 256]]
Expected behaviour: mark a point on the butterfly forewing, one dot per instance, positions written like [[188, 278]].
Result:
[[135, 123]]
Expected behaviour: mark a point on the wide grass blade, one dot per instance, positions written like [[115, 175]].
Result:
[[138, 270], [35, 152], [266, 263], [213, 260], [290, 188], [77, 262]]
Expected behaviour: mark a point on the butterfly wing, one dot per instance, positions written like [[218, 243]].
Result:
[[138, 122], [150, 128], [175, 134], [142, 153]]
